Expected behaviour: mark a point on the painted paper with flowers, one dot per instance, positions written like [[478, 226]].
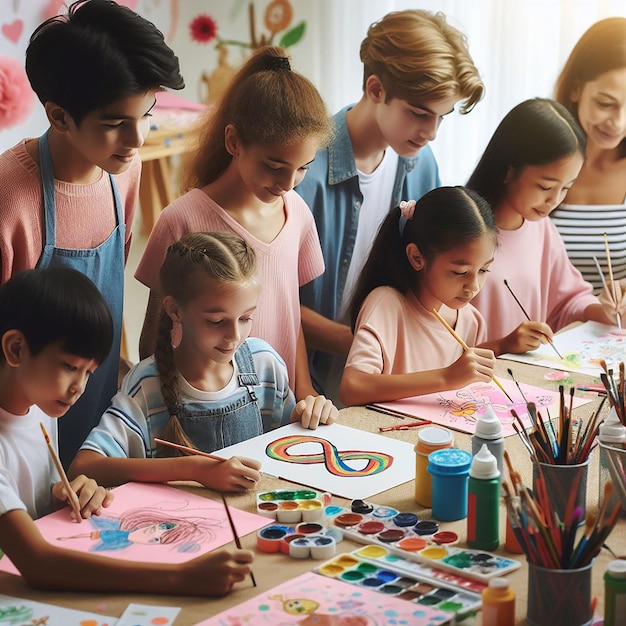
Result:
[[460, 408], [315, 600], [22, 612], [150, 523], [582, 347], [341, 460]]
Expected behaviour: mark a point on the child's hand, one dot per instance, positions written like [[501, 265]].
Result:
[[313, 411], [527, 336], [608, 304], [215, 573], [236, 474], [91, 496], [474, 365]]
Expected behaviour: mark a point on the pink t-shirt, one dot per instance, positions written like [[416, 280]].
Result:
[[292, 259], [534, 262], [85, 215], [395, 334]]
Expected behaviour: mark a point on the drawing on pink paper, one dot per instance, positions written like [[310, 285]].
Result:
[[150, 523], [460, 408], [582, 347], [312, 599]]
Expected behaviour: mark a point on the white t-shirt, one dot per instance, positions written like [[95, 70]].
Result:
[[27, 472], [376, 188]]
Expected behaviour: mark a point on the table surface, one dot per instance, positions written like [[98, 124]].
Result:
[[271, 569]]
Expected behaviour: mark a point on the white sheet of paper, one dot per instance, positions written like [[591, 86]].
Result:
[[582, 348], [18, 611], [148, 615], [344, 461]]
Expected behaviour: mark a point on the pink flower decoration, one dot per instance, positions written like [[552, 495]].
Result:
[[203, 28], [16, 95], [407, 208]]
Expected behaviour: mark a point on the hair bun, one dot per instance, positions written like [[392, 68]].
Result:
[[276, 63]]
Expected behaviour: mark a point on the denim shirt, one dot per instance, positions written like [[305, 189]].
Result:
[[331, 189]]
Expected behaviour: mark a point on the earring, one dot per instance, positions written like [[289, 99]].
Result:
[[176, 334]]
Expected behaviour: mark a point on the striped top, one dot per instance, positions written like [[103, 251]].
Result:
[[582, 228]]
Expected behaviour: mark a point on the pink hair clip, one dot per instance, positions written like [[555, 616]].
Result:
[[407, 208]]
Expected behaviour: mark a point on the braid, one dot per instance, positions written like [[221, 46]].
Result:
[[164, 358]]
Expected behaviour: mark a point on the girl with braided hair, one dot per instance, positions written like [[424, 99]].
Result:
[[207, 386]]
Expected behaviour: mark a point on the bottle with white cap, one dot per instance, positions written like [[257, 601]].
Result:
[[489, 431], [483, 502], [498, 603], [612, 443]]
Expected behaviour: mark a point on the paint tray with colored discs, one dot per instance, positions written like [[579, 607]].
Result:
[[403, 535], [376, 569], [292, 506]]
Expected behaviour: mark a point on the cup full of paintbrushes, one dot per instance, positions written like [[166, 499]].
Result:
[[559, 556], [560, 454]]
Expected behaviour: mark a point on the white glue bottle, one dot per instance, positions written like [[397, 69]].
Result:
[[489, 432]]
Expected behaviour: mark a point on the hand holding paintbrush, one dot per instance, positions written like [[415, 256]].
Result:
[[613, 293]]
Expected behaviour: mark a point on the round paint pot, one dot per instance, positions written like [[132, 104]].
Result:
[[284, 544], [372, 527], [391, 535], [300, 548], [323, 547], [359, 506], [384, 512], [445, 537], [403, 520], [426, 527], [346, 520], [309, 528], [268, 539]]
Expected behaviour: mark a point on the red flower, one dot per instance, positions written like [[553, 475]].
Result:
[[203, 28]]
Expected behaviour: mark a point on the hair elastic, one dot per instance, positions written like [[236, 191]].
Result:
[[276, 63]]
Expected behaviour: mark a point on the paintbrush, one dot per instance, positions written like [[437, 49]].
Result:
[[466, 347], [71, 494], [614, 294], [529, 319], [234, 531], [187, 449]]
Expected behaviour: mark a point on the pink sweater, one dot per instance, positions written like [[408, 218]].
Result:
[[395, 334], [84, 213], [292, 259], [534, 262]]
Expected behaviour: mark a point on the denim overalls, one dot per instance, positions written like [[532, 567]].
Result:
[[104, 265], [238, 420]]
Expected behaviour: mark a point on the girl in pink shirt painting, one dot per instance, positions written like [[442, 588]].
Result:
[[255, 147], [532, 160], [428, 256]]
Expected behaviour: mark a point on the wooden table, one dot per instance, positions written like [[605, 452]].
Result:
[[271, 569]]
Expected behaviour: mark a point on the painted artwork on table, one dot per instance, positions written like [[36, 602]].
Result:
[[149, 523], [333, 458], [582, 348], [459, 409], [22, 612], [312, 599]]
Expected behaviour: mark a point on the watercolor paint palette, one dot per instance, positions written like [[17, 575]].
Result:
[[292, 506], [380, 575], [400, 535]]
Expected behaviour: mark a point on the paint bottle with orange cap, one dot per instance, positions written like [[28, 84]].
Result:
[[429, 439]]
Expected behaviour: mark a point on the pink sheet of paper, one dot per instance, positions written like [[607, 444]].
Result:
[[312, 599], [150, 523], [458, 409]]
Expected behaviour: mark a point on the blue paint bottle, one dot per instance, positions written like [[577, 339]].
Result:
[[449, 469]]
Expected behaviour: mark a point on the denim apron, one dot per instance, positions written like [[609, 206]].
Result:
[[238, 420], [104, 265]]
